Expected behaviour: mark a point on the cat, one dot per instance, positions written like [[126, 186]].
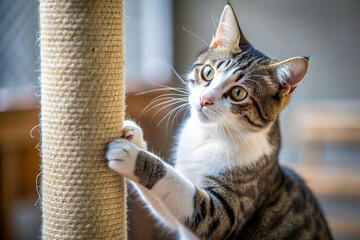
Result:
[[226, 182]]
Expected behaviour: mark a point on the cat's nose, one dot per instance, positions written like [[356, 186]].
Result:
[[204, 101]]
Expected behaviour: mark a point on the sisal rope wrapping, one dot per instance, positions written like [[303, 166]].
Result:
[[82, 108]]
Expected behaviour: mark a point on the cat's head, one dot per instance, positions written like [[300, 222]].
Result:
[[231, 81]]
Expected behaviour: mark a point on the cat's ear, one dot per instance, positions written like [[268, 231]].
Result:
[[228, 33], [290, 73]]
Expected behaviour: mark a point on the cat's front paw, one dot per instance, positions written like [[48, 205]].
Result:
[[121, 156], [133, 133]]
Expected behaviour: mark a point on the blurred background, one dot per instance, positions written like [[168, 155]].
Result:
[[321, 127]]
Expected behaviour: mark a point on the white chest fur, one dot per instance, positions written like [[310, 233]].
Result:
[[207, 150]]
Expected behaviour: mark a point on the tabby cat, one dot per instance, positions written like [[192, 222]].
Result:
[[227, 182]]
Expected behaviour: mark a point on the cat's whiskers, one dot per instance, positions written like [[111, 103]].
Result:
[[187, 113], [229, 126], [185, 108], [236, 128], [248, 76], [159, 102], [177, 111], [158, 99], [179, 77], [221, 135], [256, 75], [224, 125], [229, 159], [177, 108], [197, 36], [168, 99], [213, 20], [152, 91], [224, 129], [169, 103], [252, 80], [163, 87], [168, 96]]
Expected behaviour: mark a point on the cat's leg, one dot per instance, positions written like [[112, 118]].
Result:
[[133, 133], [156, 207], [192, 207], [146, 173]]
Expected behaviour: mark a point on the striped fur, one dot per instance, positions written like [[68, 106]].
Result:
[[227, 182], [148, 169]]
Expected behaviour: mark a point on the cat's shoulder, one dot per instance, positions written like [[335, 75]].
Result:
[[291, 173], [294, 184]]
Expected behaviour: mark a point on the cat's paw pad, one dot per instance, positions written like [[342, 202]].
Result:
[[121, 156], [133, 133]]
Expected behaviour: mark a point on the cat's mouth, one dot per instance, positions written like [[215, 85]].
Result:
[[203, 115]]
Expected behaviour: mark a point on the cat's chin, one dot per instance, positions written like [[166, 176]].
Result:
[[199, 116], [203, 119]]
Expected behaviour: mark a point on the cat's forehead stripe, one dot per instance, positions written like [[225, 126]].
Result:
[[227, 63], [220, 64], [243, 69]]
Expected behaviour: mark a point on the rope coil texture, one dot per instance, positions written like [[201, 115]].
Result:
[[82, 108]]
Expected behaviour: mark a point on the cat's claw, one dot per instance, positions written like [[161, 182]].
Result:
[[122, 152], [129, 135], [133, 133]]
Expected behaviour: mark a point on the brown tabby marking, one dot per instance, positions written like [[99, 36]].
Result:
[[148, 169]]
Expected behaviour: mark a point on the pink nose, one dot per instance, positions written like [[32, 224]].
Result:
[[205, 101]]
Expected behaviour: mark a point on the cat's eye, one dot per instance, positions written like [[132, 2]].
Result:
[[238, 93], [207, 73]]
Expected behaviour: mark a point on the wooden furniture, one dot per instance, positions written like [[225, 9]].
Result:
[[19, 160]]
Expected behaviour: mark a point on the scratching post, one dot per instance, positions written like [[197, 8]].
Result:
[[82, 108]]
